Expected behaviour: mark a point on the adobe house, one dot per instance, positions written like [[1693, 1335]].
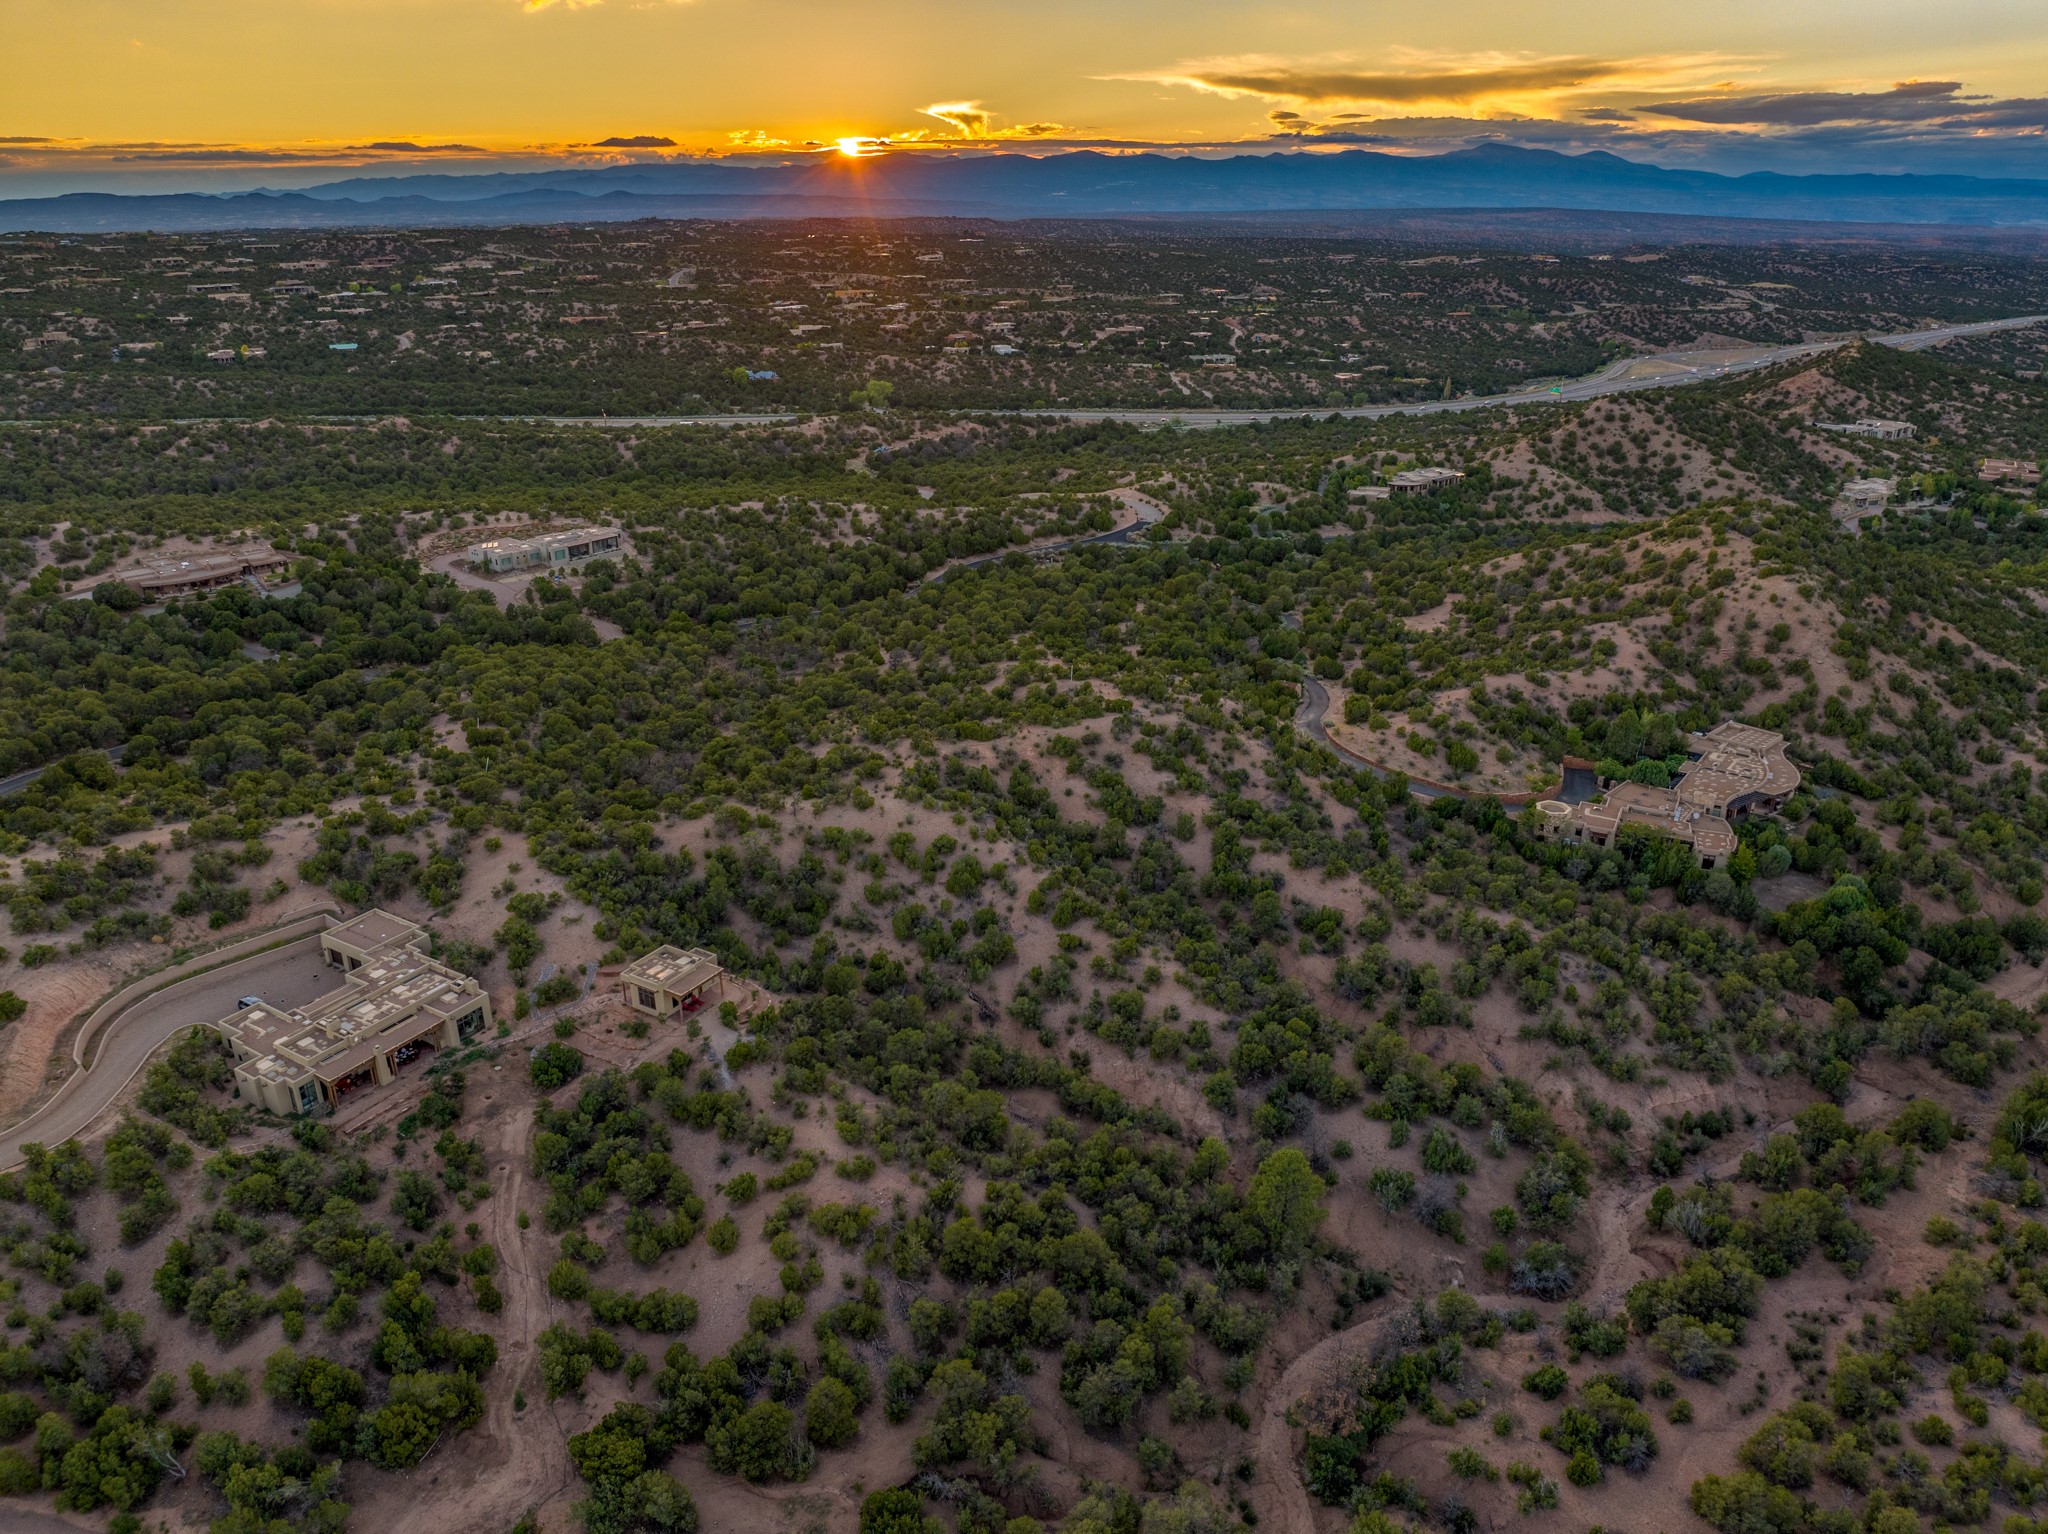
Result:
[[548, 551], [659, 983], [1737, 770], [394, 1009]]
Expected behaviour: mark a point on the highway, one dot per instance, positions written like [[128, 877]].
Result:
[[1662, 370]]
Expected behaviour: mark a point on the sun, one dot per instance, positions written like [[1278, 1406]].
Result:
[[853, 148]]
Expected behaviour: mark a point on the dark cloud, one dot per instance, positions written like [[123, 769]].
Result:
[[1297, 83], [635, 141], [1606, 115], [23, 138], [406, 146], [1932, 102], [148, 155]]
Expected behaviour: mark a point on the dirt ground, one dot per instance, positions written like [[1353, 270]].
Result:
[[516, 1459]]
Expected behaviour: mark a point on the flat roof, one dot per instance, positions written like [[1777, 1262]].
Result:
[[339, 1032], [551, 540], [1735, 760], [373, 929], [669, 968]]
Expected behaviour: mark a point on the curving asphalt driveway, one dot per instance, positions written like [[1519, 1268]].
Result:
[[289, 976], [1308, 718], [21, 780]]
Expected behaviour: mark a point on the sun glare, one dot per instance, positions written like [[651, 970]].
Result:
[[853, 148]]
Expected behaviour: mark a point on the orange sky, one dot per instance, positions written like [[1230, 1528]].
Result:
[[512, 74]]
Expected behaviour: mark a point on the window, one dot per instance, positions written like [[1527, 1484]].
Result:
[[646, 997]]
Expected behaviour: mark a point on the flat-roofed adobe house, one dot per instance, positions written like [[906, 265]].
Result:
[[159, 580], [394, 1009], [548, 551], [1737, 770], [660, 982]]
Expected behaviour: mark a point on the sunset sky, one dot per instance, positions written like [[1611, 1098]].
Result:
[[128, 94]]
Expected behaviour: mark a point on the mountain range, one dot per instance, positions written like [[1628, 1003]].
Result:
[[1078, 184]]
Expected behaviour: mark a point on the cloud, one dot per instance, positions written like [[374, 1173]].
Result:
[[971, 120], [1279, 81], [222, 155], [968, 118], [406, 146], [1911, 101], [23, 138], [635, 141], [531, 7]]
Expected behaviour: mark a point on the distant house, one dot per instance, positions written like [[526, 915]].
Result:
[[1369, 492], [549, 551], [1887, 431], [1737, 770], [1423, 481], [763, 375], [2021, 471], [161, 579], [1863, 496]]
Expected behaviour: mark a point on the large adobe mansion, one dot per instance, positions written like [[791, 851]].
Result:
[[1737, 770]]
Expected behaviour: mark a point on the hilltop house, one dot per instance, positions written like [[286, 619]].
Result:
[[658, 983], [395, 1007], [1737, 770], [548, 551], [1884, 431], [159, 580]]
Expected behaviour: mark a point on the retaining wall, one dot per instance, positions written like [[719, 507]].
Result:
[[89, 1035], [308, 924]]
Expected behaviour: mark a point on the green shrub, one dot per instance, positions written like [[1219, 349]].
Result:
[[831, 1414], [555, 1065], [1934, 1431]]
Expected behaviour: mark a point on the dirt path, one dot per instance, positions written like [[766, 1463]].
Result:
[[508, 1462], [1283, 1500]]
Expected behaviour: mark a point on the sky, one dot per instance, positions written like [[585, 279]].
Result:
[[163, 95]]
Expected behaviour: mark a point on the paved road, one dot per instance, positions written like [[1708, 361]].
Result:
[[1308, 718], [289, 978], [1664, 370], [763, 418], [21, 780], [1144, 509]]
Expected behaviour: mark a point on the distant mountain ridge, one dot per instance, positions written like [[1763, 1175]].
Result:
[[1080, 184]]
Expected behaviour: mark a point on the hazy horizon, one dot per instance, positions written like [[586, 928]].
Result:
[[121, 97]]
